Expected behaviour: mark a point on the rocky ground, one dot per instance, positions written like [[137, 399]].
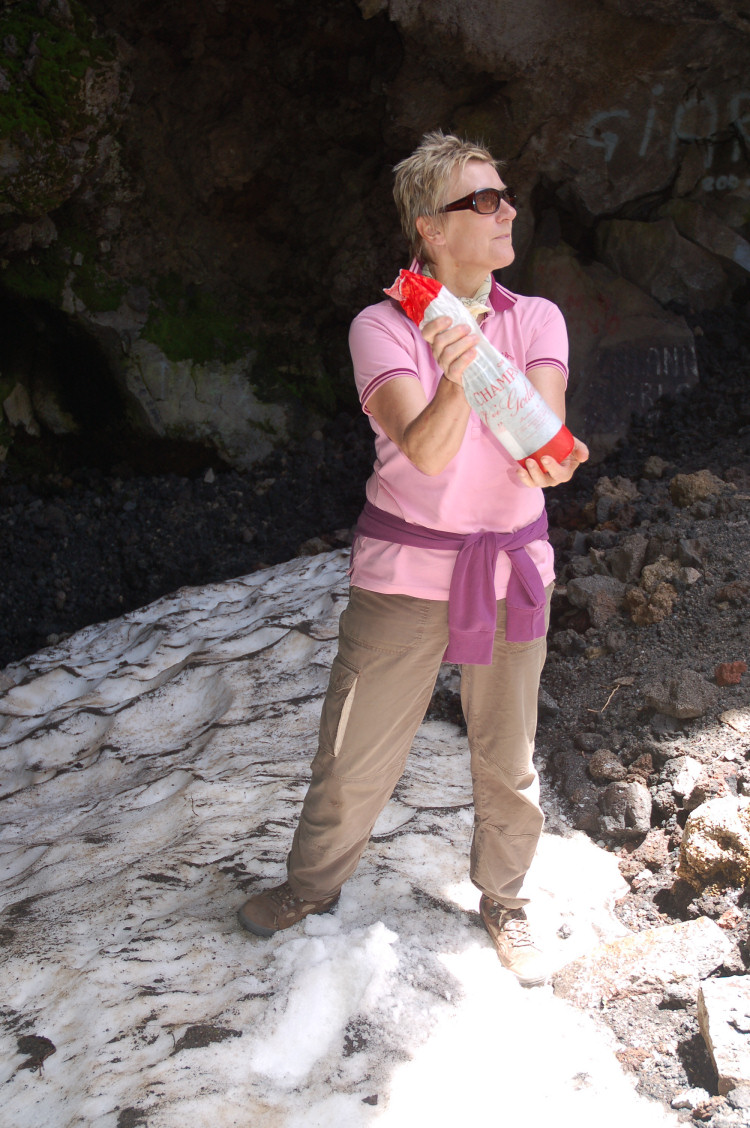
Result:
[[646, 699], [646, 726], [81, 544], [646, 703]]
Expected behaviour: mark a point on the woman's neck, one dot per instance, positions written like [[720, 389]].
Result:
[[460, 283]]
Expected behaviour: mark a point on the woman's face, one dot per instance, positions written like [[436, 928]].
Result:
[[475, 243]]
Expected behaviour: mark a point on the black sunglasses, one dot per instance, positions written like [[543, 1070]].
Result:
[[486, 201]]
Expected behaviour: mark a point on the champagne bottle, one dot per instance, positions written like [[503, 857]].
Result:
[[500, 394]]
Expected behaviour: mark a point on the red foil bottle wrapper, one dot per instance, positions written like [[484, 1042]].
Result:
[[501, 395], [414, 292]]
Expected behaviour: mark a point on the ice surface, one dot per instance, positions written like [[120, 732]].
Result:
[[152, 769]]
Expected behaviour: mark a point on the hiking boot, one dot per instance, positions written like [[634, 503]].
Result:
[[278, 908], [509, 929]]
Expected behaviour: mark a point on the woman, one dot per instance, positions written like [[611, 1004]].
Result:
[[437, 468]]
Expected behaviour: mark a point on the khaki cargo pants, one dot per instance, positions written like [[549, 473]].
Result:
[[390, 649]]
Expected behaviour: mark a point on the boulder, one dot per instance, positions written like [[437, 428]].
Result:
[[667, 266], [652, 853], [654, 467], [626, 560], [691, 553], [706, 230], [739, 1097], [690, 1098], [569, 768], [605, 766], [645, 963], [665, 571], [685, 695], [730, 673], [652, 608], [715, 843], [618, 488], [683, 772], [626, 350], [737, 719], [686, 489], [212, 403], [613, 497], [626, 811], [600, 596], [724, 1019], [19, 410]]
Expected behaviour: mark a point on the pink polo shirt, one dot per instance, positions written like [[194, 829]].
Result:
[[478, 489]]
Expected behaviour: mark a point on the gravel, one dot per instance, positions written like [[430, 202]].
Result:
[[82, 544]]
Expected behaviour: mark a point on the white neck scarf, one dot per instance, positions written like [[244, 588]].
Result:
[[477, 303]]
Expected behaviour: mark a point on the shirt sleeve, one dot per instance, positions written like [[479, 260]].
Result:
[[548, 344], [381, 348]]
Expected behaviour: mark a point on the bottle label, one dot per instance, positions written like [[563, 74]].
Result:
[[513, 410]]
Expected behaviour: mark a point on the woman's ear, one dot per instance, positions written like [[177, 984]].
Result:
[[430, 229]]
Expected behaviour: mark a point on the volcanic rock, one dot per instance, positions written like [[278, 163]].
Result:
[[644, 963], [685, 695], [627, 559], [604, 765], [724, 1017], [716, 843], [730, 673], [686, 489], [600, 596], [626, 810]]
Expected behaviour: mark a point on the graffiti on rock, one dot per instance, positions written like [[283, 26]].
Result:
[[700, 118], [646, 374]]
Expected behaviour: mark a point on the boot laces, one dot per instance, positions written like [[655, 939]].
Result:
[[514, 924], [284, 897]]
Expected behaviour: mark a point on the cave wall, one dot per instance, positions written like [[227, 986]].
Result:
[[204, 187]]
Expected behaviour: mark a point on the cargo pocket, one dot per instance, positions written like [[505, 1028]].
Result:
[[338, 705]]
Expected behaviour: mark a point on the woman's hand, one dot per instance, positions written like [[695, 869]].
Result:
[[551, 472], [452, 347]]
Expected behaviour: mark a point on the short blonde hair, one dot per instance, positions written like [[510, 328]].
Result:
[[421, 180]]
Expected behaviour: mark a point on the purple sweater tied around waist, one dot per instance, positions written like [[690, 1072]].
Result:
[[472, 606]]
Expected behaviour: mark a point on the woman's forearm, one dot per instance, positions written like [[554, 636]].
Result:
[[433, 438]]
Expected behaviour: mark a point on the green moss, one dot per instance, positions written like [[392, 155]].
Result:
[[77, 240], [46, 96], [188, 324], [99, 293], [40, 277], [43, 102], [292, 370]]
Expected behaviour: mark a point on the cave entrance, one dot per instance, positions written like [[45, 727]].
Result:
[[68, 410]]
